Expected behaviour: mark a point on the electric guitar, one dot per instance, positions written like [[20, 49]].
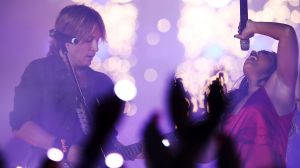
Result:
[[19, 153]]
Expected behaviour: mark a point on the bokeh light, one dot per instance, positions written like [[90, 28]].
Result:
[[125, 90], [163, 25], [153, 38], [295, 16], [55, 154], [150, 75], [121, 1], [166, 142], [218, 3], [294, 3], [206, 29], [114, 160]]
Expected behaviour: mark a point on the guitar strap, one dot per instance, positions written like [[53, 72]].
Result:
[[81, 109], [82, 117]]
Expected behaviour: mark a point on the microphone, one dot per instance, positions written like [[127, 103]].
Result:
[[243, 21], [63, 37]]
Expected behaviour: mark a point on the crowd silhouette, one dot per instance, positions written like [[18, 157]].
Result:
[[190, 138]]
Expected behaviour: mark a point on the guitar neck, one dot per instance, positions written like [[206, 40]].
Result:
[[131, 151]]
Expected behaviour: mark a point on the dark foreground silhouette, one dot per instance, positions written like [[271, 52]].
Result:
[[191, 138]]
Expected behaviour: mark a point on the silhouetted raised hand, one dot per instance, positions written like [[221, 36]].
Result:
[[192, 137], [106, 115], [2, 162]]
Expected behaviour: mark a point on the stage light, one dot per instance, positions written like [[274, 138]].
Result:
[[163, 25], [55, 154], [295, 16], [197, 26], [120, 27], [200, 23], [166, 142], [150, 75], [294, 3], [114, 160], [125, 90], [121, 1], [153, 38], [102, 2], [218, 3], [213, 51], [80, 1]]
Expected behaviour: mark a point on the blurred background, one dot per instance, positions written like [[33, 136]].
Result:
[[148, 42]]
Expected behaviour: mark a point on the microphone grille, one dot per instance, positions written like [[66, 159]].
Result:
[[244, 44]]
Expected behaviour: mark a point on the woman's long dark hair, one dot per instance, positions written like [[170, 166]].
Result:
[[236, 95]]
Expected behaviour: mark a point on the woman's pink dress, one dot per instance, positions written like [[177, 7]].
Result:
[[260, 134]]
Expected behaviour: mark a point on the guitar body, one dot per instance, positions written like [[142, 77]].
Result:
[[19, 153]]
